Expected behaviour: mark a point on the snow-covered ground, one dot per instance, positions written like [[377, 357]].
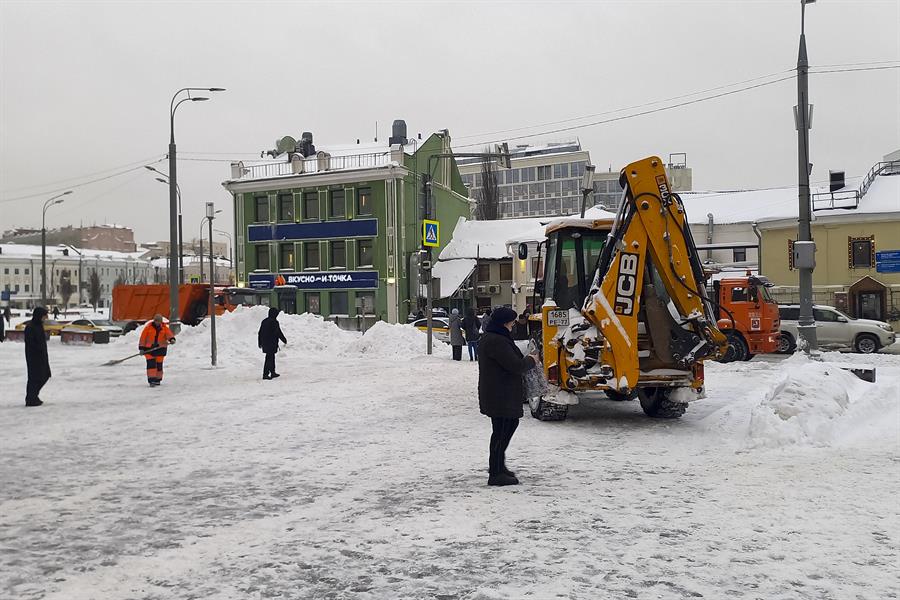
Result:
[[361, 473]]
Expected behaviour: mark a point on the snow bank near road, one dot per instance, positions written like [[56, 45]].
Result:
[[387, 340], [816, 404]]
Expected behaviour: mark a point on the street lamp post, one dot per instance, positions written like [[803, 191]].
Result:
[[210, 216], [165, 179], [804, 247], [230, 248], [58, 199], [587, 186], [173, 192]]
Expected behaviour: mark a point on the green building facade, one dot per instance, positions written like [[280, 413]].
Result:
[[340, 234]]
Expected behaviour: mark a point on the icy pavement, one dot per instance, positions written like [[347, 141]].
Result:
[[360, 473]]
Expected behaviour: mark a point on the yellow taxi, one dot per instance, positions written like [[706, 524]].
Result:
[[440, 328]]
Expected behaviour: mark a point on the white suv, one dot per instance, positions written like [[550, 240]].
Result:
[[835, 330]]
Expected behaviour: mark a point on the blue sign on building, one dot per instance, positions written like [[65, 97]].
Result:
[[887, 261], [318, 280], [313, 231]]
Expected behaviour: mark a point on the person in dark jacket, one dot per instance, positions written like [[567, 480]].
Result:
[[457, 341], [472, 329], [520, 328], [269, 334], [501, 389], [36, 356]]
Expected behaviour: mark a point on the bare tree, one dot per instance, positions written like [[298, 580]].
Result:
[[94, 289], [488, 201], [66, 289]]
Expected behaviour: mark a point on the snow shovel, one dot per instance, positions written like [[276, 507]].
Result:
[[110, 363]]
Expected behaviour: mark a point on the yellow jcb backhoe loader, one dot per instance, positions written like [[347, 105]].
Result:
[[625, 308]]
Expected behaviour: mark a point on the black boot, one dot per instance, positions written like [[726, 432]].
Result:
[[502, 479]]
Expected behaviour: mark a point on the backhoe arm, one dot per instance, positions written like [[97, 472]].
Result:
[[650, 226]]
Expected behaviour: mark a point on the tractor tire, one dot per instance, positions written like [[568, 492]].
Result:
[[786, 343], [656, 403], [548, 411], [619, 396], [866, 343]]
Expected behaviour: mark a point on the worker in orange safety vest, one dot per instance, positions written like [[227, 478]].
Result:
[[155, 337]]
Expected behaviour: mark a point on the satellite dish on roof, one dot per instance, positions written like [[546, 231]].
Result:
[[286, 144]]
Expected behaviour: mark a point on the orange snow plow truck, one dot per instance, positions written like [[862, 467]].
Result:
[[136, 304]]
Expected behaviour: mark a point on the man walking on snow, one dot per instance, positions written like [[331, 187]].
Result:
[[155, 337], [269, 334], [36, 356]]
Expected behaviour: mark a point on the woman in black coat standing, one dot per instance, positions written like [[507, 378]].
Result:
[[501, 389], [36, 357], [269, 334]]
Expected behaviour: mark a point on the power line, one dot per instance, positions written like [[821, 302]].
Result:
[[609, 112], [855, 69], [856, 64], [78, 185], [631, 116], [58, 181]]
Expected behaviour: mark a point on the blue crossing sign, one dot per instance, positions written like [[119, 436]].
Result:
[[431, 233]]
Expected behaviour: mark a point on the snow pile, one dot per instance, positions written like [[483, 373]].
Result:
[[387, 340], [236, 334], [818, 404]]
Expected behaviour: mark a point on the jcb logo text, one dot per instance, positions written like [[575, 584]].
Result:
[[626, 284]]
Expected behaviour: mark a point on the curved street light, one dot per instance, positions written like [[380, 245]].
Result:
[[165, 179], [173, 191], [58, 199]]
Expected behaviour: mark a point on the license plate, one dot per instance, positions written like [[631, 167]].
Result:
[[558, 318]]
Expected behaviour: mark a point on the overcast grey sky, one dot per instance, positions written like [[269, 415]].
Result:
[[86, 88]]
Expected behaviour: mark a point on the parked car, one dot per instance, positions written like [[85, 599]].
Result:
[[96, 324], [440, 328], [51, 327], [835, 330]]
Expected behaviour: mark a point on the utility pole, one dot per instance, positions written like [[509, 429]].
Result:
[[210, 215], [58, 199], [804, 247]]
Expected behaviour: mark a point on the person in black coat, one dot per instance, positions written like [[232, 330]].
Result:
[[269, 334], [36, 357], [501, 389], [472, 328], [520, 328]]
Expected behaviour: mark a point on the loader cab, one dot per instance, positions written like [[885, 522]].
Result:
[[572, 256]]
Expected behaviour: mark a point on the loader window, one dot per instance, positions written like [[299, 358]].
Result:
[[571, 261]]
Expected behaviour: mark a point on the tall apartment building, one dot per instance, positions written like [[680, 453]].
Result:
[[546, 180]]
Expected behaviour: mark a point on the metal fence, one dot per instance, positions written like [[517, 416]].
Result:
[[316, 164]]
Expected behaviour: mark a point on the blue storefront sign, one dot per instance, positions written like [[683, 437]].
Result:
[[318, 280], [313, 231], [887, 261]]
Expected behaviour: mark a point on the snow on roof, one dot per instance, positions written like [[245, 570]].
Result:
[[781, 203], [487, 239], [452, 273], [13, 249]]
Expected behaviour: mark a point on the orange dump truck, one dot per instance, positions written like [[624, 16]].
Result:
[[136, 304]]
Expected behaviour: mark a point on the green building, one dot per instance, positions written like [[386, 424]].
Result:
[[338, 232]]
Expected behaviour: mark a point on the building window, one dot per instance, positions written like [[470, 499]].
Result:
[[364, 202], [544, 173], [262, 257], [365, 253], [365, 303], [27, 287], [338, 255], [861, 252], [339, 303], [506, 271], [311, 255], [17, 287], [262, 209], [739, 254], [311, 206], [313, 303], [286, 207], [6, 271], [15, 271], [336, 209], [561, 171], [484, 272], [286, 258]]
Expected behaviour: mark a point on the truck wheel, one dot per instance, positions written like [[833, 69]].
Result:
[[197, 312], [866, 343], [655, 402], [619, 396], [548, 411], [786, 343], [737, 346]]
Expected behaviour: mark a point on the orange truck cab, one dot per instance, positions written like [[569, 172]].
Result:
[[747, 315]]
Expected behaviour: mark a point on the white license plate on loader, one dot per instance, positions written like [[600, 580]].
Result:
[[558, 318]]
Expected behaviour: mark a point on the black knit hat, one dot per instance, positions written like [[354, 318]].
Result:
[[503, 315]]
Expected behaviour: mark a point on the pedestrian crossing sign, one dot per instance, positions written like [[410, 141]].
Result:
[[431, 233]]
